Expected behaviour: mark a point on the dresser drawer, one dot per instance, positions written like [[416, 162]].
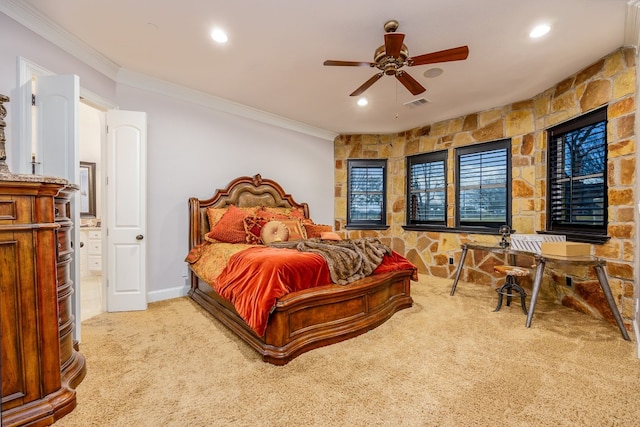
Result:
[[17, 210], [95, 234]]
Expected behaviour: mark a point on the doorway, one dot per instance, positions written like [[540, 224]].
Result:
[[92, 292], [51, 144]]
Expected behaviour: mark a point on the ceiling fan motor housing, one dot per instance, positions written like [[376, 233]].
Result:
[[390, 64]]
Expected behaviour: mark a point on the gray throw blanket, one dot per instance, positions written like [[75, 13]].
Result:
[[348, 260]]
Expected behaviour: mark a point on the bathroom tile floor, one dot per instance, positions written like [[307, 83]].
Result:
[[91, 294]]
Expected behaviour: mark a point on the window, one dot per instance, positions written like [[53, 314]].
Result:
[[577, 176], [427, 189], [367, 191], [483, 193]]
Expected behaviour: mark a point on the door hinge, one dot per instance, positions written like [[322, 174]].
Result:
[[33, 99]]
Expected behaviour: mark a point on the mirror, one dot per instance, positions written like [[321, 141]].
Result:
[[87, 190]]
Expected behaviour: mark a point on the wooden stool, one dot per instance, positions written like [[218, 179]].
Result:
[[511, 285]]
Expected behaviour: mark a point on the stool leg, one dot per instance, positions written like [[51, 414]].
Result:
[[500, 295], [510, 286], [516, 286]]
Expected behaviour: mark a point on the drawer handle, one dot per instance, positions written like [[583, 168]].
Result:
[[139, 237]]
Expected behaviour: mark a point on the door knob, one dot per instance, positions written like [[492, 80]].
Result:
[[139, 237]]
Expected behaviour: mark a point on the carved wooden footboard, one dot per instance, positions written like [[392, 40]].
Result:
[[306, 319]]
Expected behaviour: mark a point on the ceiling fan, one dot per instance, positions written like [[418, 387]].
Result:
[[393, 55]]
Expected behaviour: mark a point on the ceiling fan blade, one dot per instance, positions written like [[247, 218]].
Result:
[[366, 85], [455, 54], [348, 63], [393, 44], [410, 83]]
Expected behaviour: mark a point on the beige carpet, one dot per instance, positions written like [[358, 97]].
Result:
[[447, 361]]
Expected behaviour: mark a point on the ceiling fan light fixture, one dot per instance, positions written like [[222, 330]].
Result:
[[362, 102], [219, 36], [539, 31]]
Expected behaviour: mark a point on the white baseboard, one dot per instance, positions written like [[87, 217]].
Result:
[[164, 294]]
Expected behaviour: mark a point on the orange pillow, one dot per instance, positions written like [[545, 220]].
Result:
[[314, 230], [214, 215], [296, 230], [330, 235], [230, 228]]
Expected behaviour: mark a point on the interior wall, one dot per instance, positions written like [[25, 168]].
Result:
[[192, 150]]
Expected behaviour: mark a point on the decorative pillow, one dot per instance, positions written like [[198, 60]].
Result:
[[314, 230], [253, 229], [280, 213], [230, 228], [274, 231], [330, 235], [296, 229], [214, 215], [194, 254]]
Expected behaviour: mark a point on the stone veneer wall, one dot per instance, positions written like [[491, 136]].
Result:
[[612, 81]]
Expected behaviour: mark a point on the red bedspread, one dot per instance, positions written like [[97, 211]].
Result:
[[256, 277]]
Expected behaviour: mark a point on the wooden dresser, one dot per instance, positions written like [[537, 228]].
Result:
[[41, 365]]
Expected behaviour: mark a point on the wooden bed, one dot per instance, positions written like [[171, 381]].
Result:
[[302, 320]]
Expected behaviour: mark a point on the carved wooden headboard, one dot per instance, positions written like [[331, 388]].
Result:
[[242, 192]]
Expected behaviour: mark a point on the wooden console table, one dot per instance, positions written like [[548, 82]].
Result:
[[541, 260]]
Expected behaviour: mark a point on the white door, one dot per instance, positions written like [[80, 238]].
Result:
[[125, 184], [57, 150], [57, 104]]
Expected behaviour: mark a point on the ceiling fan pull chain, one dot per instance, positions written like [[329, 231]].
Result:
[[397, 99]]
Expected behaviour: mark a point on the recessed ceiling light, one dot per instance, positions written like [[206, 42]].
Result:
[[539, 31], [219, 36], [433, 72], [362, 102]]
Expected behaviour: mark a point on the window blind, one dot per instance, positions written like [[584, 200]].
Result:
[[577, 178], [427, 189], [482, 196], [366, 198]]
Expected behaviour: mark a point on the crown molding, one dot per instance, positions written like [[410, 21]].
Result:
[[143, 81], [632, 24], [44, 27]]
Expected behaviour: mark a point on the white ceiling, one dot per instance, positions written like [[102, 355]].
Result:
[[273, 61]]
